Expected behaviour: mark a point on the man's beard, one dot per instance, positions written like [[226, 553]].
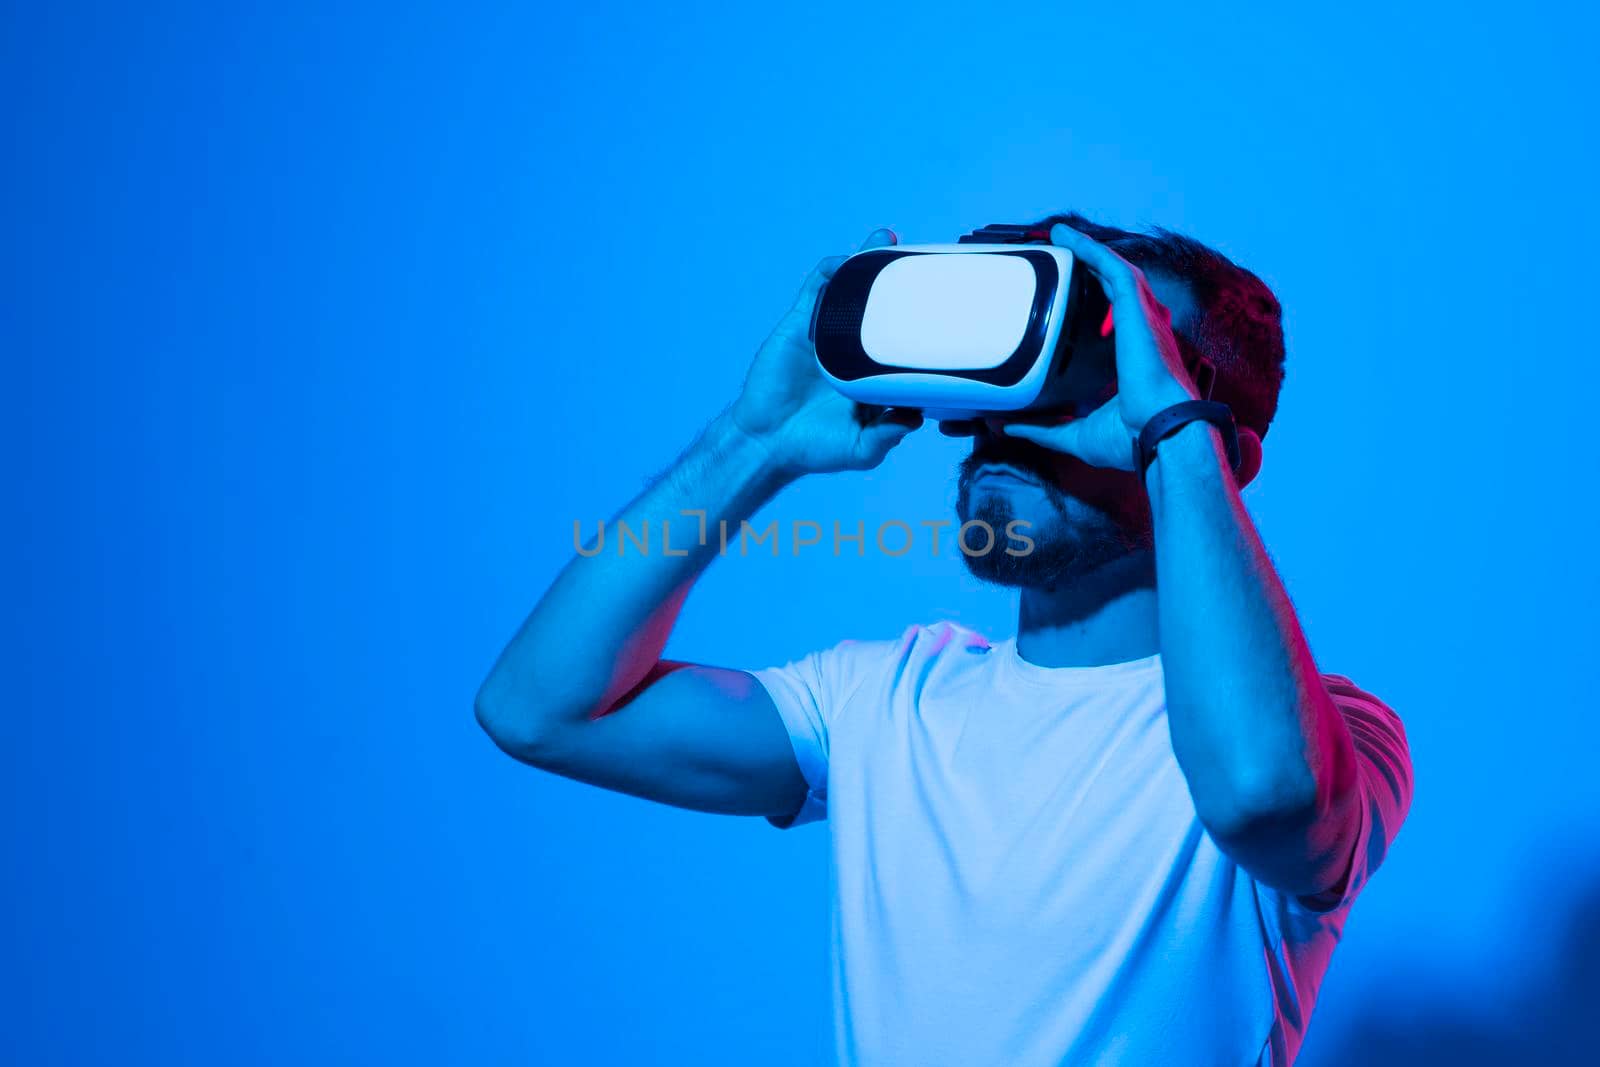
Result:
[[1076, 539]]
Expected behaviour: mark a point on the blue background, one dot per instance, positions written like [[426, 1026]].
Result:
[[322, 327]]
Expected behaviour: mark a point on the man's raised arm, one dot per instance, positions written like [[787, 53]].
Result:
[[582, 691], [1270, 761]]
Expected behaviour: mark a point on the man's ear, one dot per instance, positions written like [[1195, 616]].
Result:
[[1249, 455]]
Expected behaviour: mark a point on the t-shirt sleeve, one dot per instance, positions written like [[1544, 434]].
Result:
[[809, 693], [1383, 781]]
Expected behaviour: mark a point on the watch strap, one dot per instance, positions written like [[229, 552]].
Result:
[[1166, 422]]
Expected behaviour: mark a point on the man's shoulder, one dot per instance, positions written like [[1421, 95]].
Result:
[[920, 641], [877, 665], [931, 639]]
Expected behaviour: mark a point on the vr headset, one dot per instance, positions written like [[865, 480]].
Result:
[[987, 325]]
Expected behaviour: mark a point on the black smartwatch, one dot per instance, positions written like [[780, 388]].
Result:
[[1166, 422]]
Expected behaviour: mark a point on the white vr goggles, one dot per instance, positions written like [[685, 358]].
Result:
[[959, 329]]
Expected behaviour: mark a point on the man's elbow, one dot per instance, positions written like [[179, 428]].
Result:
[[1259, 804], [1260, 798], [511, 723]]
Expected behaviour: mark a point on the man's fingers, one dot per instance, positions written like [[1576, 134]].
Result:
[[882, 237], [873, 414], [892, 428], [825, 268], [908, 417], [806, 298], [1114, 272], [1060, 437], [1091, 439], [958, 427]]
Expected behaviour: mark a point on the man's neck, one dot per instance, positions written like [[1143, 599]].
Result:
[[1106, 616]]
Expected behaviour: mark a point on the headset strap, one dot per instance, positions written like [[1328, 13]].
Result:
[[1005, 233]]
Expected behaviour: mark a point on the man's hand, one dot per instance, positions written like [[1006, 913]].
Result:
[[1150, 371], [803, 422]]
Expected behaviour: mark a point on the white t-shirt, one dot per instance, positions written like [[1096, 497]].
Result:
[[1020, 877]]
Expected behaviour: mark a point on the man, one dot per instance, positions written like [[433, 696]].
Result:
[[1130, 834]]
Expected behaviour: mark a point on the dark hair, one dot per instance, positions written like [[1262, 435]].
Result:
[[1238, 325]]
